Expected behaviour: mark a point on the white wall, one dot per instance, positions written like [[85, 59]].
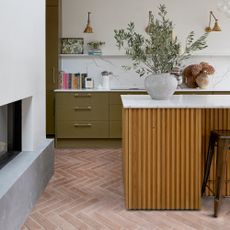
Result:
[[108, 15], [22, 61]]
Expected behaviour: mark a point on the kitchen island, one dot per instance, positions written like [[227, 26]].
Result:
[[164, 148]]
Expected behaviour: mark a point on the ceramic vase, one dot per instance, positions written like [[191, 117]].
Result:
[[161, 86]]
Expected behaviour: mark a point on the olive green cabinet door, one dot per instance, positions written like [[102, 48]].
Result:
[[115, 98], [115, 112], [52, 47], [52, 39], [115, 129], [52, 2], [50, 119]]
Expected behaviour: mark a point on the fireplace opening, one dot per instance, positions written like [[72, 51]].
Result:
[[10, 132]]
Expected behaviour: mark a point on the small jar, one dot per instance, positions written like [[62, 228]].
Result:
[[106, 79]]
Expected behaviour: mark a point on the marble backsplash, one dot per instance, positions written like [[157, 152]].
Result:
[[94, 65]]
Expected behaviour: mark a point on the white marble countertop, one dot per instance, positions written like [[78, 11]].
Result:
[[131, 90], [99, 90], [177, 101]]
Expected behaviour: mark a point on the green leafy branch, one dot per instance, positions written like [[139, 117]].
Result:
[[159, 52]]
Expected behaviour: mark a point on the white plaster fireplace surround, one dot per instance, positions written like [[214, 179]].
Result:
[[22, 77], [22, 64]]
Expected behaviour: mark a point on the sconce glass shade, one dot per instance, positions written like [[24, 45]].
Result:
[[88, 28]]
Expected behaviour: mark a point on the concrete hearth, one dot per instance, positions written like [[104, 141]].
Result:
[[21, 183]]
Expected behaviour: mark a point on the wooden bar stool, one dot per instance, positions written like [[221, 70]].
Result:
[[222, 139]]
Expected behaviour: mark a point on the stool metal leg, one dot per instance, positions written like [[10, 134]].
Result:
[[220, 170], [208, 161]]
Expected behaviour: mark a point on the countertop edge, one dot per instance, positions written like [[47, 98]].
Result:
[[133, 90], [176, 101]]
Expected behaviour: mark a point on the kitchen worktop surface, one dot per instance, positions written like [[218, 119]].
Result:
[[101, 90], [177, 101], [134, 90]]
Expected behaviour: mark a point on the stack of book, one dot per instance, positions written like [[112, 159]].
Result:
[[95, 52], [71, 80]]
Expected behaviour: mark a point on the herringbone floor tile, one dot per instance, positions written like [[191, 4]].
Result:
[[86, 192]]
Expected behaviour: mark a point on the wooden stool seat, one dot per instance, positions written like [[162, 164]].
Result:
[[222, 139]]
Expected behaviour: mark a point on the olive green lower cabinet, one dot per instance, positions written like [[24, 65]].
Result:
[[87, 119], [92, 119], [115, 111]]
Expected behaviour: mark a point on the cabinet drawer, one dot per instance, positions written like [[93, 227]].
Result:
[[115, 129], [80, 99], [85, 112], [82, 129], [115, 112], [50, 112]]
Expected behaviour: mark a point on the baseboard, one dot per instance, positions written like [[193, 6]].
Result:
[[87, 143]]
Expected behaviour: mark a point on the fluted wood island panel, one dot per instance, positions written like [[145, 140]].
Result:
[[164, 151], [162, 155]]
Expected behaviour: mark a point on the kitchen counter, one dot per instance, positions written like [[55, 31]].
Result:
[[136, 90], [165, 144], [177, 101], [100, 90]]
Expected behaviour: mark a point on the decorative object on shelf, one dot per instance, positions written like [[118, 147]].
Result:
[[177, 71], [158, 52], [88, 28], [72, 45], [216, 26], [106, 79], [89, 83], [196, 75], [95, 47], [224, 6]]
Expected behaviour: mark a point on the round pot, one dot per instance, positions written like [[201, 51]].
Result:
[[161, 86], [202, 81]]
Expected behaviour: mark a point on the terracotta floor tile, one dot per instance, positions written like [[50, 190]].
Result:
[[86, 193]]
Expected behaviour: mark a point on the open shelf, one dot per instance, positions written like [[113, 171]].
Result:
[[91, 56]]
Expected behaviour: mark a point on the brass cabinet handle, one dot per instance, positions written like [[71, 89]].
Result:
[[82, 95], [82, 125], [53, 75], [83, 108]]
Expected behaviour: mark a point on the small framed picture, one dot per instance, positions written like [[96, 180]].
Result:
[[72, 45]]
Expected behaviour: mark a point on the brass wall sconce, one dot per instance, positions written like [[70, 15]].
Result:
[[216, 26], [88, 28]]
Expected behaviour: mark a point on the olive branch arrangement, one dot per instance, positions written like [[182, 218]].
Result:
[[158, 51]]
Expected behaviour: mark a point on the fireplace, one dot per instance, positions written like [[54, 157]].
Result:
[[10, 131]]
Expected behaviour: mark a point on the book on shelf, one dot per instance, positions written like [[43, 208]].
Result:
[[74, 81], [71, 80]]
